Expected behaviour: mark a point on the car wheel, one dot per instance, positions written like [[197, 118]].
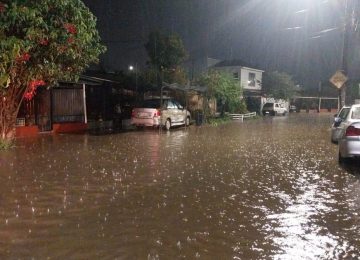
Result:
[[187, 121], [168, 124], [341, 159]]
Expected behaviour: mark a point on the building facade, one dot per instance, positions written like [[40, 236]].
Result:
[[249, 79]]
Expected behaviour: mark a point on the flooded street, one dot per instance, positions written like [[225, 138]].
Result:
[[263, 189]]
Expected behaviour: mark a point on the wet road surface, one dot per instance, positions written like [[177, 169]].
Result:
[[263, 189]]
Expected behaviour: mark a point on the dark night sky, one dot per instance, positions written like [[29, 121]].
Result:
[[256, 31]]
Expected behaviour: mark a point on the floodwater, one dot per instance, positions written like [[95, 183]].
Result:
[[263, 189]]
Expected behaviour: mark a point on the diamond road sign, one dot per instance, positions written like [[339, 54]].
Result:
[[338, 79]]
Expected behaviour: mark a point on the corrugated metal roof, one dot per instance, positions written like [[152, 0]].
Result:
[[235, 63], [185, 88]]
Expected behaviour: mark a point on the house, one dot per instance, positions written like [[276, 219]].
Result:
[[90, 103], [249, 78]]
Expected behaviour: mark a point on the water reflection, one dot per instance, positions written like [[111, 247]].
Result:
[[268, 188]]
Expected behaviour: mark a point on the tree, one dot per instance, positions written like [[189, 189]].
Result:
[[225, 89], [41, 42], [167, 53], [278, 85]]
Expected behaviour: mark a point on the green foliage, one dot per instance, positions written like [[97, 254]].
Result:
[[165, 51], [216, 121], [48, 40], [41, 42], [237, 106], [225, 89], [6, 144], [176, 75], [278, 85]]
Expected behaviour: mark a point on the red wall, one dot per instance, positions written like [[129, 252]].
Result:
[[26, 131], [69, 127]]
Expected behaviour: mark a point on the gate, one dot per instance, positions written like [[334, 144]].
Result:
[[43, 110]]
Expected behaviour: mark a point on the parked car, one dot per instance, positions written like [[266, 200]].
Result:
[[274, 109], [342, 120], [152, 113], [349, 143], [292, 108]]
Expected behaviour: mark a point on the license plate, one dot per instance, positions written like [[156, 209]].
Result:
[[143, 114]]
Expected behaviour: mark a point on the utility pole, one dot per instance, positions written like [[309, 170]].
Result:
[[352, 10], [345, 51]]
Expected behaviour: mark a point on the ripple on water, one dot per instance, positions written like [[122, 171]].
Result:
[[262, 189]]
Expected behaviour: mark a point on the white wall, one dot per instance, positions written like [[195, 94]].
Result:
[[243, 73]]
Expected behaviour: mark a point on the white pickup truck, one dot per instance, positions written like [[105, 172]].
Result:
[[274, 109]]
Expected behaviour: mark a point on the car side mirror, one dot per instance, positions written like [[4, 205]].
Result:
[[337, 121]]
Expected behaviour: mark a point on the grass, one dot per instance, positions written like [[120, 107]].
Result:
[[6, 144], [215, 121]]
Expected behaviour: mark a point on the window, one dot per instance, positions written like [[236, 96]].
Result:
[[236, 75], [171, 105], [251, 82], [356, 113], [344, 112], [178, 105]]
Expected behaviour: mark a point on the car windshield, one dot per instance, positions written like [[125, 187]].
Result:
[[268, 105], [344, 112]]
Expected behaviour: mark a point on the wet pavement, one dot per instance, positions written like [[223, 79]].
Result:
[[263, 189]]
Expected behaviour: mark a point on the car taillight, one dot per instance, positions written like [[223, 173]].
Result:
[[352, 131], [157, 112]]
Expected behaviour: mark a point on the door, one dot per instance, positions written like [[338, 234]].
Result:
[[175, 112], [43, 110], [181, 112]]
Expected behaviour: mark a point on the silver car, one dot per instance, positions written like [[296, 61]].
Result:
[[349, 143], [152, 113], [341, 121]]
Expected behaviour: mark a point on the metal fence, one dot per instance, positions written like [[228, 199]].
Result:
[[242, 116]]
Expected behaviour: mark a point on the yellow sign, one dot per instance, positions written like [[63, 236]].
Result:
[[338, 79]]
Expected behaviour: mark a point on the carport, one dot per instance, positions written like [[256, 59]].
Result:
[[185, 89]]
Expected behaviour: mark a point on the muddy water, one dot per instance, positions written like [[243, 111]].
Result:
[[269, 188]]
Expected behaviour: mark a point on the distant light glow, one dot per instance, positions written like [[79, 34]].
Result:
[[329, 30], [301, 11], [131, 67], [293, 28]]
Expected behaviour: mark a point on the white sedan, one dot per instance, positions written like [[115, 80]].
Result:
[[346, 116], [349, 143]]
